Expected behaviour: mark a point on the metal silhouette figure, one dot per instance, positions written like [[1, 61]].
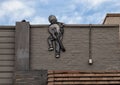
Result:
[[56, 31]]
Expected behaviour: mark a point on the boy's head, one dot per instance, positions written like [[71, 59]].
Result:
[[52, 19]]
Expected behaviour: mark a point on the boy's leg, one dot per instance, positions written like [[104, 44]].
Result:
[[50, 43], [57, 49]]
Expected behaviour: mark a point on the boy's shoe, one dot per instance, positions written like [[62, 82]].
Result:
[[50, 49], [57, 56]]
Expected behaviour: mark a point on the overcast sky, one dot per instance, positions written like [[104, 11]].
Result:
[[67, 11]]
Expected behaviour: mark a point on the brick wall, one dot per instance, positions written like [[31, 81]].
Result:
[[105, 49], [104, 45]]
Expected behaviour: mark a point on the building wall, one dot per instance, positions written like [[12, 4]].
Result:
[[77, 40], [112, 20], [104, 43], [7, 58]]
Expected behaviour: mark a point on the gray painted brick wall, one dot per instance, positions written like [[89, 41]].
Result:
[[105, 50]]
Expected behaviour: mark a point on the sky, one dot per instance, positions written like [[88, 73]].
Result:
[[67, 11]]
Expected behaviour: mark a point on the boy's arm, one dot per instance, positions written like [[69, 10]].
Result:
[[52, 32], [61, 27]]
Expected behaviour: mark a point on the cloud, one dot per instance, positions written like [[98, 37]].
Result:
[[39, 20], [89, 3], [13, 10], [67, 11], [71, 19], [93, 11], [44, 1]]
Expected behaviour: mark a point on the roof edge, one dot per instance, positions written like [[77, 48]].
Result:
[[111, 15]]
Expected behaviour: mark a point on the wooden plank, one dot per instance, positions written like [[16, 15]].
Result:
[[86, 78], [6, 69], [7, 51], [83, 79], [6, 81], [7, 45], [6, 63], [7, 57], [7, 33], [7, 40], [50, 83], [83, 75], [85, 83], [81, 72], [22, 46]]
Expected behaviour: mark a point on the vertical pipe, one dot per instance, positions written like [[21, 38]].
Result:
[[90, 61]]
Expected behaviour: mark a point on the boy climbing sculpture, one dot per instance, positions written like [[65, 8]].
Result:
[[56, 31]]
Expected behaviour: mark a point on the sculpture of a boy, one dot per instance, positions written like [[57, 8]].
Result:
[[56, 31]]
